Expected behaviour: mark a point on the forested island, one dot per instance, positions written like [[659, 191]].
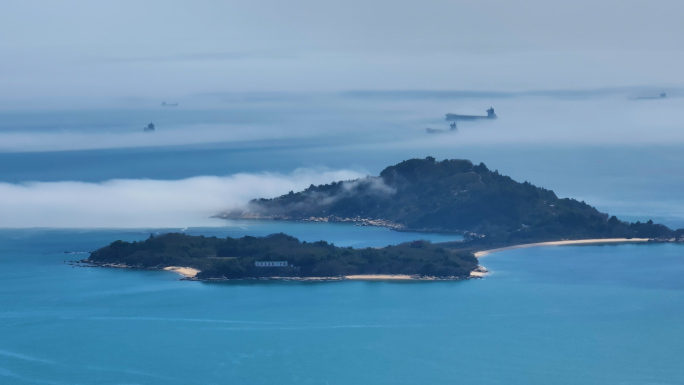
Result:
[[490, 209], [452, 196], [280, 255]]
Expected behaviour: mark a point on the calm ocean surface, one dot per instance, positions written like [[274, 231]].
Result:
[[565, 315]]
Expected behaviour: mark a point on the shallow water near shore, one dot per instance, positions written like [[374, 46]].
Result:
[[562, 315]]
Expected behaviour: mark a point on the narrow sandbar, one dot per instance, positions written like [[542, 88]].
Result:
[[482, 253], [187, 272]]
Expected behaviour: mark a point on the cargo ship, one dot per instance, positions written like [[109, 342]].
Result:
[[452, 128], [457, 117]]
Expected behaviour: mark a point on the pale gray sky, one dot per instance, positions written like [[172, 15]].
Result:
[[74, 48]]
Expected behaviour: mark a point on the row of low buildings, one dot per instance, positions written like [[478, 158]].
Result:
[[270, 263]]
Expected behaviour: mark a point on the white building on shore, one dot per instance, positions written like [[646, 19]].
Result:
[[270, 263]]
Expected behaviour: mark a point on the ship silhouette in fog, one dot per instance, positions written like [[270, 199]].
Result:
[[662, 96], [457, 117]]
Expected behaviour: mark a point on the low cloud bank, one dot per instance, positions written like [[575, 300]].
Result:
[[23, 141], [371, 120], [137, 203]]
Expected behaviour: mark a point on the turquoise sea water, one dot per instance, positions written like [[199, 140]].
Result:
[[564, 315]]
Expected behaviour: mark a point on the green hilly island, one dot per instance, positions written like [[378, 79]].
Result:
[[237, 258], [452, 196], [456, 196]]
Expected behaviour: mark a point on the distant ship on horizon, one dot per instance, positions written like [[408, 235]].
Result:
[[165, 104], [452, 128], [662, 95], [457, 117], [149, 127]]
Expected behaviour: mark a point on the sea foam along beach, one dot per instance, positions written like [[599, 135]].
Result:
[[483, 253]]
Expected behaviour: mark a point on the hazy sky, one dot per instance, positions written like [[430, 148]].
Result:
[[73, 49], [224, 61]]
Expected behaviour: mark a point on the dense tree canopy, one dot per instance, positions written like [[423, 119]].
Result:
[[236, 257], [453, 196]]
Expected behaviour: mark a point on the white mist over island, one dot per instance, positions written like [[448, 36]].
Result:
[[146, 203]]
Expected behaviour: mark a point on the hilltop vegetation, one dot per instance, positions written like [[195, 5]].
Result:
[[234, 258], [417, 194], [452, 196]]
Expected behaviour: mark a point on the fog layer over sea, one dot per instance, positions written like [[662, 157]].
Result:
[[75, 180], [96, 167]]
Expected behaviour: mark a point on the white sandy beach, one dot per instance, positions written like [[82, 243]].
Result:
[[187, 272], [483, 253], [383, 277], [190, 272], [479, 272]]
